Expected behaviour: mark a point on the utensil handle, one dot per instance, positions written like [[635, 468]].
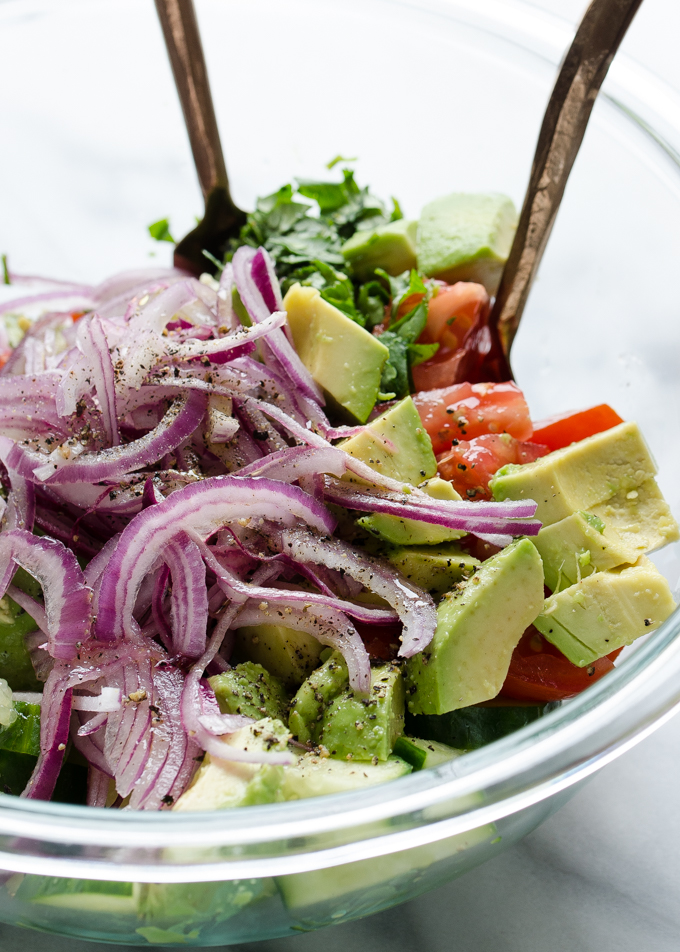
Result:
[[583, 70], [183, 42]]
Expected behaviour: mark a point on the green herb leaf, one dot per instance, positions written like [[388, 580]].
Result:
[[339, 158], [594, 521], [418, 353], [5, 271], [160, 231]]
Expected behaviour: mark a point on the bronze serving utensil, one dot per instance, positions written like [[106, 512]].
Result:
[[222, 219], [583, 70]]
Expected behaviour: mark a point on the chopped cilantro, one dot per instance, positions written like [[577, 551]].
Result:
[[160, 231]]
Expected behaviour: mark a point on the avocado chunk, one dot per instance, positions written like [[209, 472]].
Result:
[[422, 754], [579, 476], [287, 654], [395, 444], [250, 690], [466, 237], [479, 624], [409, 531], [314, 776], [326, 712], [472, 727], [343, 358], [606, 611], [219, 784], [435, 568], [639, 519], [391, 247], [578, 546]]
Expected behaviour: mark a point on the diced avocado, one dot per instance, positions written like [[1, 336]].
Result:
[[639, 518], [435, 568], [219, 784], [250, 690], [23, 734], [606, 611], [581, 475], [396, 445], [321, 687], [191, 902], [315, 895], [471, 727], [466, 237], [287, 654], [422, 754], [578, 546], [391, 247], [326, 711], [314, 776], [408, 531], [343, 358], [479, 624], [90, 895]]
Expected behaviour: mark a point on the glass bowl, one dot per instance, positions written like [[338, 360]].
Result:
[[431, 97]]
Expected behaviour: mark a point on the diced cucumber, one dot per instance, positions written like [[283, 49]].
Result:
[[422, 754], [314, 776], [90, 895], [471, 727], [23, 735]]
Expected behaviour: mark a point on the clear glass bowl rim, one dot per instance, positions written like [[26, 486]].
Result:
[[535, 763]]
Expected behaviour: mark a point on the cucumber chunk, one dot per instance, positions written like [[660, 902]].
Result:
[[471, 727], [421, 754]]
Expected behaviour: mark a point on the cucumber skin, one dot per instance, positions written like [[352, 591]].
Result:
[[469, 728], [16, 769]]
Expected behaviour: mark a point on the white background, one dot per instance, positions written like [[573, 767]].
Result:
[[603, 875]]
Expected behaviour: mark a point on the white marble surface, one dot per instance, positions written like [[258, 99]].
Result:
[[603, 875]]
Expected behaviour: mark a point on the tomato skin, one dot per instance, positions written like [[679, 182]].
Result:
[[470, 464], [559, 431], [540, 672], [454, 315], [381, 641], [471, 410]]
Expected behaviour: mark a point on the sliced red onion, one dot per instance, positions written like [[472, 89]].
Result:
[[487, 518], [30, 605], [329, 627], [81, 294], [234, 344], [200, 510], [67, 598], [238, 590], [108, 700], [296, 462], [96, 566], [277, 343], [226, 314], [414, 606], [183, 417], [20, 513], [97, 788], [95, 347], [189, 600], [55, 717], [94, 724]]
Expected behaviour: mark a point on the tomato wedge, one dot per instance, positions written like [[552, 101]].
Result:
[[540, 672], [381, 641], [454, 316], [470, 464], [469, 410], [559, 431]]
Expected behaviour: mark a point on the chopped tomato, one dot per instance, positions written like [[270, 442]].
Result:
[[454, 315], [76, 315], [471, 410], [559, 431], [4, 356], [381, 641], [470, 464], [540, 672]]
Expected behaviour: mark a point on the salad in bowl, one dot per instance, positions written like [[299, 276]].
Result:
[[269, 533]]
